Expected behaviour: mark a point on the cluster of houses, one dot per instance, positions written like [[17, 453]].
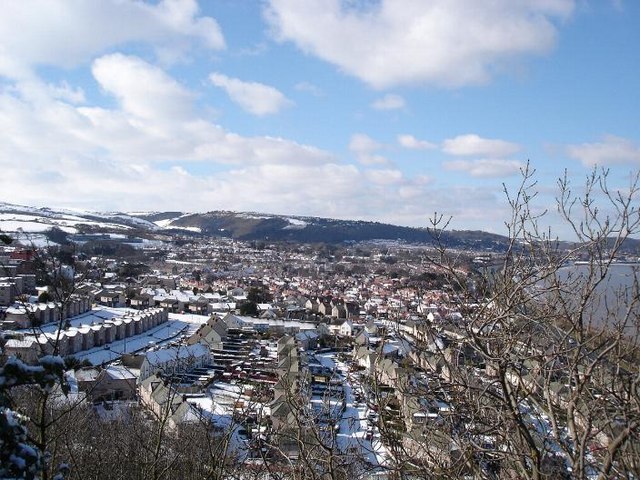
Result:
[[283, 415], [174, 361], [207, 303], [29, 315], [15, 279], [302, 285], [14, 285], [173, 300], [148, 379], [162, 398], [159, 393], [113, 382], [81, 337], [333, 307]]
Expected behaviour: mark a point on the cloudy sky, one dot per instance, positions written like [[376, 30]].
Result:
[[386, 110]]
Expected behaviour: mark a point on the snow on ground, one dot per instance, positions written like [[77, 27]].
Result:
[[31, 226], [220, 414], [191, 320], [295, 221], [220, 406], [228, 389], [18, 217], [254, 216], [178, 324], [123, 217], [160, 335], [191, 229], [40, 219], [30, 213], [166, 222], [285, 323], [295, 224], [353, 423], [30, 219], [32, 240]]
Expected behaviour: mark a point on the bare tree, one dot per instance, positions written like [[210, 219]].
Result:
[[541, 374], [537, 378], [29, 389]]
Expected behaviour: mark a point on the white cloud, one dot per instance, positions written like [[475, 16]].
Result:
[[140, 142], [44, 32], [309, 87], [411, 142], [127, 158], [362, 143], [612, 150], [384, 176], [256, 98], [486, 168], [398, 42], [99, 158], [472, 144], [142, 89], [296, 189], [113, 159], [370, 160], [389, 102], [364, 147], [224, 147], [152, 121], [411, 192], [66, 92]]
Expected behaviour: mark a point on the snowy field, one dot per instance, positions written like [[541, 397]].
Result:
[[13, 222]]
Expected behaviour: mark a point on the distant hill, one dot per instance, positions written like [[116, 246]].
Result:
[[241, 226], [257, 226], [34, 219]]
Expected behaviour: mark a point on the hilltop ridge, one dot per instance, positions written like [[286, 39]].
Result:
[[236, 225]]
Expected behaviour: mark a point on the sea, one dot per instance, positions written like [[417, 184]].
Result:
[[613, 298]]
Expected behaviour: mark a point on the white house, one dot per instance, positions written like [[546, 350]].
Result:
[[213, 333], [346, 329], [175, 360], [166, 403]]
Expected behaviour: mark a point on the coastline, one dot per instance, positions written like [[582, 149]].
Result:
[[612, 264]]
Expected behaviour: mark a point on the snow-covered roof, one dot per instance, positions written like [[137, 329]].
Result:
[[26, 342], [165, 355], [87, 374], [120, 372]]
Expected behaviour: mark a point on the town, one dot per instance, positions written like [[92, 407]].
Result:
[[371, 359]]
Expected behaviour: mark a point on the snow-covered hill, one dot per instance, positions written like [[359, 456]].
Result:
[[21, 218], [33, 221]]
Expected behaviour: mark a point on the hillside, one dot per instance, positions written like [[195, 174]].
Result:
[[255, 226], [241, 226], [15, 218]]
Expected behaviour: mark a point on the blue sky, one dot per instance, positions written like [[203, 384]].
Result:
[[385, 110]]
